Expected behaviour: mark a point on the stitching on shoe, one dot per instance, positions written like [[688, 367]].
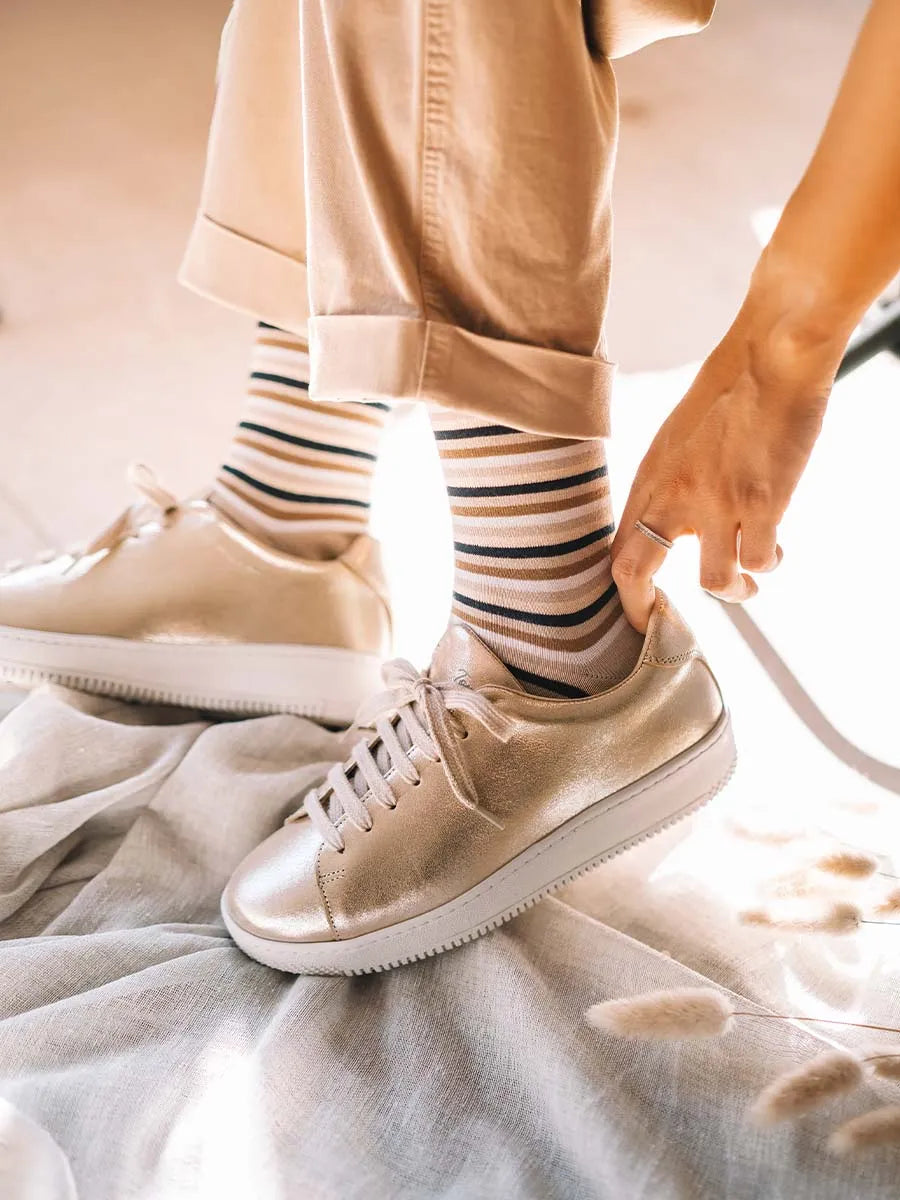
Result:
[[664, 604], [672, 659], [329, 915]]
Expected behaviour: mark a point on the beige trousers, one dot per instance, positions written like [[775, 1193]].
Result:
[[422, 187]]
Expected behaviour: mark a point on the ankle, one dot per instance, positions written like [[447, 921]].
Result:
[[314, 546], [594, 669]]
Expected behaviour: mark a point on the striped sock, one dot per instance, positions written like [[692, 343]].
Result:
[[532, 529], [298, 473]]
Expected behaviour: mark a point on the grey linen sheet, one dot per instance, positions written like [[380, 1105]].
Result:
[[143, 1056]]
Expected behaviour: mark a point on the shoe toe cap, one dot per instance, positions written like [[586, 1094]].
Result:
[[274, 893]]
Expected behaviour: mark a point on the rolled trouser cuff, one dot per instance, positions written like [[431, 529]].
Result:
[[244, 274], [532, 388]]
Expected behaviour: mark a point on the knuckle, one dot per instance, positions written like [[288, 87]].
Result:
[[756, 560], [755, 494], [713, 580], [624, 569], [805, 420], [681, 483]]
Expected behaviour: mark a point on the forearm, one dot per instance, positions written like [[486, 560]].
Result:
[[726, 461], [838, 242]]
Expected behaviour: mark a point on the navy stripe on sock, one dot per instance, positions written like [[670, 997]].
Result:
[[306, 442], [304, 387], [476, 431], [294, 497], [524, 489], [548, 685], [552, 620], [266, 377], [552, 551]]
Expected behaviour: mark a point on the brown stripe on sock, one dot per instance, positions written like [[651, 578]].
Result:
[[595, 496], [498, 448], [564, 600], [522, 535], [563, 570], [283, 344], [344, 409], [274, 449], [487, 474]]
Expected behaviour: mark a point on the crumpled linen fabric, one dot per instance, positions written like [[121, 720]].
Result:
[[165, 1065]]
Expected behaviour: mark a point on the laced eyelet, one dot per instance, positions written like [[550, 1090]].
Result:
[[401, 731]]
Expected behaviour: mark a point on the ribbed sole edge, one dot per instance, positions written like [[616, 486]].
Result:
[[322, 683], [277, 954]]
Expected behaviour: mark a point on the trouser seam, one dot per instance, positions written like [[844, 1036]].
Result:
[[423, 366], [435, 106]]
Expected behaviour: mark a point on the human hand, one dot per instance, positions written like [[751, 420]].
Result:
[[725, 463]]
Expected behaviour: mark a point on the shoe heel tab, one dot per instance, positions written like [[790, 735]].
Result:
[[669, 638], [364, 558]]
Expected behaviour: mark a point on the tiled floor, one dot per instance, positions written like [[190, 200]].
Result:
[[104, 359]]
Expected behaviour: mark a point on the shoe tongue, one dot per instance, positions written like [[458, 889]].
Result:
[[461, 656]]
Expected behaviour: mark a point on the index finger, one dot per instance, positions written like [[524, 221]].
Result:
[[633, 569]]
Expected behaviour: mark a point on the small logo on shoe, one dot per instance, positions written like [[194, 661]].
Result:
[[461, 678]]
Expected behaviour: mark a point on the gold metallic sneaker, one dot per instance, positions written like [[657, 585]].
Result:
[[471, 799], [174, 604]]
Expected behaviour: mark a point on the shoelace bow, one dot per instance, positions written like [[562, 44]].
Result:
[[437, 738], [158, 500]]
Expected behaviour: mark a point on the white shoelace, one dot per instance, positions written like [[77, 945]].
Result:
[[156, 503], [396, 717]]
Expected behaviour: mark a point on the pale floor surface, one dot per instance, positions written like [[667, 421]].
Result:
[[104, 359]]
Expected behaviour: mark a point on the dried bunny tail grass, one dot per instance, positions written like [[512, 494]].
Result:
[[680, 1013], [890, 903], [807, 1087], [863, 805], [881, 1127], [795, 885], [885, 1061], [848, 864], [836, 918], [766, 837]]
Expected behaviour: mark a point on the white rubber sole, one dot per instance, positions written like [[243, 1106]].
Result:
[[644, 808], [322, 682]]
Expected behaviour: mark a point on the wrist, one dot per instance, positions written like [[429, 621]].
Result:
[[792, 328], [799, 303]]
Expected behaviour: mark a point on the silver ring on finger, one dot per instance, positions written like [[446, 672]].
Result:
[[653, 535]]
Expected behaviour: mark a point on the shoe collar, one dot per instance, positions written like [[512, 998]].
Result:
[[462, 657]]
